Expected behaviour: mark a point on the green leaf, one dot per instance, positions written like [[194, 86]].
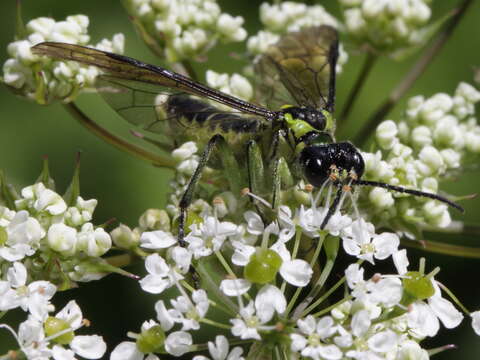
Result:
[[45, 177], [73, 191]]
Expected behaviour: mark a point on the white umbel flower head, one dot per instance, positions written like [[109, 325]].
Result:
[[57, 80]]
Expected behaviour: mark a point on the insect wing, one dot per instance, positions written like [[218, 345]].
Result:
[[301, 64], [127, 68], [142, 104]]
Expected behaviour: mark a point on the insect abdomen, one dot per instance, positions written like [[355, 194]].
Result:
[[198, 117]]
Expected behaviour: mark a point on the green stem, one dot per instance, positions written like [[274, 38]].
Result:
[[297, 292], [328, 309], [102, 133], [442, 248], [456, 227], [318, 285], [454, 298], [225, 264], [415, 72], [322, 298], [370, 60], [215, 323], [211, 286]]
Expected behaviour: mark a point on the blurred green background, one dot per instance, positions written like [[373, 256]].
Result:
[[126, 186]]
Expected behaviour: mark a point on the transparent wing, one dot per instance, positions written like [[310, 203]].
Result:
[[300, 69], [127, 68], [164, 111]]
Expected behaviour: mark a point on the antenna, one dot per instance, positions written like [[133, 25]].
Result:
[[409, 191]]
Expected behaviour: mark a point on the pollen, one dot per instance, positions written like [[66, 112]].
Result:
[[308, 188]]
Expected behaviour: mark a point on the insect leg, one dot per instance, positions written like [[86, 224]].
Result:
[[333, 207], [188, 194], [256, 173]]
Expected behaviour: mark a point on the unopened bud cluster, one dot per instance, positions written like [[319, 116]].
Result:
[[44, 79], [386, 25], [437, 137], [185, 29]]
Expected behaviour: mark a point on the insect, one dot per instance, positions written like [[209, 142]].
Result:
[[298, 70]]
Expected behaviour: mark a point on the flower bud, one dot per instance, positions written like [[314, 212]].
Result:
[[125, 238], [53, 326], [381, 198], [437, 214], [386, 134], [421, 136], [154, 219], [93, 242], [62, 238], [432, 158], [151, 340]]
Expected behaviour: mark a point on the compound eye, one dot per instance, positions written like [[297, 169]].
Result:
[[315, 164]]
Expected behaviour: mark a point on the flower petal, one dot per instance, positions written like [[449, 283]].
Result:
[[89, 347], [296, 272], [235, 287]]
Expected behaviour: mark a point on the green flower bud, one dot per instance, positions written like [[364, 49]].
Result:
[[124, 237], [263, 266], [416, 286], [151, 340], [53, 326]]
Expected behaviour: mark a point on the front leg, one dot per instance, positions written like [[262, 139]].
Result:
[[190, 191]]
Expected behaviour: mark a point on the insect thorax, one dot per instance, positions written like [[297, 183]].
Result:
[[303, 120]]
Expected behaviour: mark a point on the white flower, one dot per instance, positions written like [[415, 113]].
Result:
[[39, 198], [219, 350], [189, 312], [23, 237], [268, 301], [160, 275], [424, 317], [31, 338], [361, 241], [94, 242], [34, 297], [310, 339], [476, 321], [249, 323], [411, 350], [157, 239], [178, 343], [87, 346], [208, 236]]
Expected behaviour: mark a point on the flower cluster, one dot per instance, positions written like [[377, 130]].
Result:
[[251, 275], [42, 227], [41, 231], [185, 29], [44, 335], [386, 26], [436, 137], [44, 79]]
